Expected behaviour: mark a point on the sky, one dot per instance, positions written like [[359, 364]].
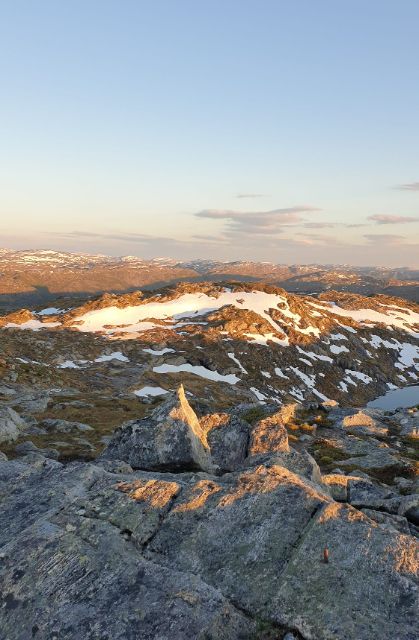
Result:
[[276, 130]]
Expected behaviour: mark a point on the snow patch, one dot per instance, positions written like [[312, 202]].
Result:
[[260, 396], [109, 319], [239, 364], [334, 348], [33, 325], [150, 391], [197, 370], [116, 355], [161, 352]]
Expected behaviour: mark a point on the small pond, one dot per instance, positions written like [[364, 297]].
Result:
[[406, 397]]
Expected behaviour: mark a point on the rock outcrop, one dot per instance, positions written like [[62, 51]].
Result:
[[11, 424], [210, 528], [172, 438]]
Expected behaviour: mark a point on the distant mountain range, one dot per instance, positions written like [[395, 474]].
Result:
[[36, 277]]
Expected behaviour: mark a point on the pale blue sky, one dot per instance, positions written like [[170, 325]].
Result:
[[122, 120]]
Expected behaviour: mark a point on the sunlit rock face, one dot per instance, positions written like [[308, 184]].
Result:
[[269, 435]]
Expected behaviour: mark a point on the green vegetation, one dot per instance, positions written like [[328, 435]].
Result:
[[254, 414], [326, 455]]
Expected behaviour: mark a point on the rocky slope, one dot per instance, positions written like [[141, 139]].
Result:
[[222, 526], [109, 358]]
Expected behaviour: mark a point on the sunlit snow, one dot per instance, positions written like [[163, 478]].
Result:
[[197, 370], [189, 305]]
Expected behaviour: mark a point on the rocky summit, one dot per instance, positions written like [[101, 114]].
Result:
[[209, 461], [298, 522]]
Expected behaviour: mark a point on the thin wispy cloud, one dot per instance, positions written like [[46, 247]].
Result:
[[128, 237], [384, 238], [257, 222], [118, 236], [251, 195], [317, 239], [319, 225], [392, 219], [410, 186], [209, 238]]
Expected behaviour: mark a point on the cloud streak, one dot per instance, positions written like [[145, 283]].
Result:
[[392, 219], [410, 186], [384, 238], [319, 225], [251, 195], [257, 222], [143, 240]]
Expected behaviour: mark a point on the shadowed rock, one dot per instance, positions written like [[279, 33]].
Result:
[[227, 437], [11, 424]]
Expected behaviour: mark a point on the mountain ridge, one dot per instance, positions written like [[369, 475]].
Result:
[[35, 277]]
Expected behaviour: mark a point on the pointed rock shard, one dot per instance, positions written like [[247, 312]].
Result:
[[170, 439], [200, 449], [183, 411]]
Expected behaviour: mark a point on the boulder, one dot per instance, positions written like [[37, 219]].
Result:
[[88, 553], [364, 493], [32, 403], [29, 447], [388, 520], [361, 422], [83, 579], [409, 508], [269, 435], [62, 426], [337, 484], [378, 462], [239, 531], [172, 438], [367, 589], [409, 426], [11, 424]]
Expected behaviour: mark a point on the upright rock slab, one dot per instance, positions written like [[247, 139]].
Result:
[[172, 438]]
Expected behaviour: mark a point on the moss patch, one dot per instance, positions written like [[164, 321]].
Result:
[[254, 414]]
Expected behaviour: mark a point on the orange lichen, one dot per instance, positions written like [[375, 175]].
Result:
[[406, 555]]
